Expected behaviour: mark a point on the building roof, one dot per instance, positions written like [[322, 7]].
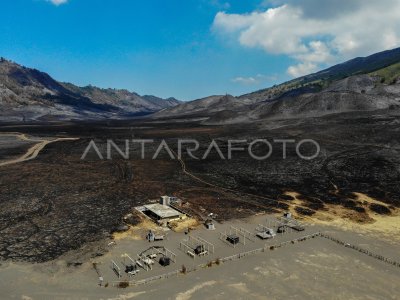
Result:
[[162, 211]]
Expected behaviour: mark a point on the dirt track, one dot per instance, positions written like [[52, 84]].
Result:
[[33, 151], [187, 172]]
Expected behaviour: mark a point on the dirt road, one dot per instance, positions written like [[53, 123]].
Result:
[[187, 172], [33, 151]]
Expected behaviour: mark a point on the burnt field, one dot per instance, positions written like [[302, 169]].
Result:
[[58, 202]]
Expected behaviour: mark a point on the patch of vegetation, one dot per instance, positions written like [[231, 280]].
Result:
[[183, 269], [389, 74], [123, 284]]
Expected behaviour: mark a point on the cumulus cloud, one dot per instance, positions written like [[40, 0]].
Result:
[[316, 9], [58, 2], [253, 80], [316, 33], [302, 69]]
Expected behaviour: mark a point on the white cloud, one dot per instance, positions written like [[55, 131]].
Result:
[[58, 2], [302, 69], [253, 80], [245, 80], [316, 33]]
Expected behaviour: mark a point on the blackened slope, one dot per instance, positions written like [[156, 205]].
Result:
[[317, 81]]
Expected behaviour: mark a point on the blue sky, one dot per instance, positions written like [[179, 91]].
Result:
[[182, 48], [166, 48]]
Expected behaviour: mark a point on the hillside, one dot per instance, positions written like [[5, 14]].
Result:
[[361, 84], [29, 94], [388, 75], [317, 81]]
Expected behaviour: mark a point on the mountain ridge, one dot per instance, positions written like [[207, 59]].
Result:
[[29, 94], [362, 83], [356, 85]]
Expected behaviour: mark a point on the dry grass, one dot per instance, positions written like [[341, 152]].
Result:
[[137, 232], [182, 225], [386, 227]]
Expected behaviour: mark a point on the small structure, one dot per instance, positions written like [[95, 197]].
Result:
[[167, 200], [233, 239], [196, 246], [152, 237], [281, 229], [164, 200], [162, 214], [264, 232], [131, 269], [164, 261], [209, 224], [267, 233], [232, 236], [148, 256], [116, 269], [290, 222], [287, 215], [199, 249]]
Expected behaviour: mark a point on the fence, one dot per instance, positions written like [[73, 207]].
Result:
[[361, 250], [259, 250], [224, 259], [263, 249], [148, 280]]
